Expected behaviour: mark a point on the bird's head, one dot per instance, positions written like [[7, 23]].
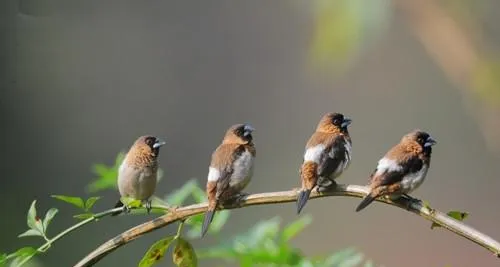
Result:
[[147, 145], [239, 134], [333, 123], [419, 140]]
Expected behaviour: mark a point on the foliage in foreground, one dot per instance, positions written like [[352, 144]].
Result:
[[265, 244]]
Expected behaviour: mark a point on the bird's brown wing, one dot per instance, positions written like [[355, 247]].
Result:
[[408, 165], [224, 158]]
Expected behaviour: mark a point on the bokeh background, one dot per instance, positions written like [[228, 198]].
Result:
[[80, 80]]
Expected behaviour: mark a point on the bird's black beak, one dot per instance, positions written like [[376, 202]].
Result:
[[346, 122], [429, 142], [158, 143]]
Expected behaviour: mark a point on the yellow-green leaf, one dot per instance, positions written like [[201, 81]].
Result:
[[34, 222], [184, 255], [296, 227], [48, 218], [76, 201], [90, 203], [130, 202], [457, 215], [30, 232], [156, 252]]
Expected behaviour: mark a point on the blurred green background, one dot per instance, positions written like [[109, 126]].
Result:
[[81, 80]]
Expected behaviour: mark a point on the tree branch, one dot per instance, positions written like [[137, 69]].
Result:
[[182, 213]]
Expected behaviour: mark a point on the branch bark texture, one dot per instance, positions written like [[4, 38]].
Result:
[[182, 213]]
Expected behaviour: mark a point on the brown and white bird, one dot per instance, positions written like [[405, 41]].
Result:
[[402, 169], [230, 170], [137, 175], [327, 155]]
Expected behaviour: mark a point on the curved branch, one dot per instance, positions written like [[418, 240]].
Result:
[[182, 213]]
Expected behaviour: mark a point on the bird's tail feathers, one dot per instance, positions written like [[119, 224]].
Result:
[[209, 216], [365, 202], [302, 199], [117, 205]]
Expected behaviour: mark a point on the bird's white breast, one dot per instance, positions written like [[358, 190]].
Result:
[[138, 183], [314, 153], [242, 170], [413, 180]]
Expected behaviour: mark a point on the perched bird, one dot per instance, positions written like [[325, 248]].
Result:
[[137, 175], [230, 170], [402, 169], [327, 155]]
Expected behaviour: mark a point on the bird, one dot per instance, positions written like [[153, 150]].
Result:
[[327, 155], [137, 174], [230, 170], [403, 168]]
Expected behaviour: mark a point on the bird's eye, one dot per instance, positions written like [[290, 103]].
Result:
[[149, 141]]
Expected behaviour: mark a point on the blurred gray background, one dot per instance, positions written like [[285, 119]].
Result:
[[80, 80]]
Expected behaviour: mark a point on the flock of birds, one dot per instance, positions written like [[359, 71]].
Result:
[[327, 155]]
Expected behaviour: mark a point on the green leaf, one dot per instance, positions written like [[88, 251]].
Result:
[[83, 216], [90, 203], [184, 255], [295, 228], [180, 195], [156, 252], [23, 254], [455, 214], [198, 194], [48, 218], [426, 204], [131, 202], [458, 215], [219, 221], [30, 232], [32, 215], [76, 201], [106, 176], [34, 221]]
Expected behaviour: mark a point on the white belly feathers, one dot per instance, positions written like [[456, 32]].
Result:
[[412, 181], [242, 170]]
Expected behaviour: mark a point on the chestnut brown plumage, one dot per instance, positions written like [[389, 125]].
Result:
[[230, 170], [137, 175], [403, 169], [327, 155]]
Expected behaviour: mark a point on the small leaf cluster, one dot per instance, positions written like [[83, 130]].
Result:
[[38, 226], [183, 254], [78, 202], [266, 244]]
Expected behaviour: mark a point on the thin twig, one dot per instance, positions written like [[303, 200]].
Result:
[[182, 213]]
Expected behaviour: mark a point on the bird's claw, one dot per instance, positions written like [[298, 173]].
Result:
[[237, 199], [126, 209], [410, 201], [148, 206], [325, 185]]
